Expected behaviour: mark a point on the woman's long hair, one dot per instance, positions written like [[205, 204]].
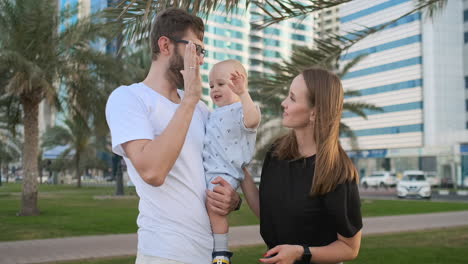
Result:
[[332, 164]]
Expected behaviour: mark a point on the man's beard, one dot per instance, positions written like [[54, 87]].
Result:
[[176, 64]]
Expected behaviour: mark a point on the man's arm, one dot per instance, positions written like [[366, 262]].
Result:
[[223, 199], [153, 159]]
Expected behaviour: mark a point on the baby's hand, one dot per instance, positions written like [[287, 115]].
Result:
[[238, 85]]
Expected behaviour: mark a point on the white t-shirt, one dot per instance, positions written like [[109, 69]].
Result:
[[173, 222]]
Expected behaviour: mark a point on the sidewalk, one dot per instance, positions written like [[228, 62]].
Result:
[[86, 247]]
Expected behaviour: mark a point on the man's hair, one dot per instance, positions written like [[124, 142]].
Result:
[[174, 23]]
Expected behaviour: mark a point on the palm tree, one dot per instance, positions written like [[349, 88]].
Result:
[[10, 149], [77, 137], [271, 89], [137, 15], [42, 56]]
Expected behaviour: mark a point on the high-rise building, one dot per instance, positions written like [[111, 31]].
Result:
[[415, 70], [327, 21]]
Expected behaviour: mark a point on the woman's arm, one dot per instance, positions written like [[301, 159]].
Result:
[[251, 193], [343, 249]]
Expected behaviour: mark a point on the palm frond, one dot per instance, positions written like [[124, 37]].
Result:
[[276, 11], [56, 136], [347, 132]]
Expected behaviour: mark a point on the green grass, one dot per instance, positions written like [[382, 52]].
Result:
[[401, 207], [439, 246], [442, 246], [68, 211]]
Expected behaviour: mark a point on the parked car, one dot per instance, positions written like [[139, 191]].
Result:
[[433, 179], [379, 179], [414, 184]]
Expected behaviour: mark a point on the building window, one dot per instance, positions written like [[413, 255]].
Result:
[[219, 56], [465, 16], [255, 62], [466, 82], [273, 31], [466, 105], [272, 42], [218, 43], [466, 37], [271, 54], [255, 39], [298, 37], [298, 26]]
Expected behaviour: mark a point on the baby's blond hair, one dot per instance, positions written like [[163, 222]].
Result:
[[237, 65]]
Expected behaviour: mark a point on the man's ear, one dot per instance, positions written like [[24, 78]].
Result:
[[164, 44]]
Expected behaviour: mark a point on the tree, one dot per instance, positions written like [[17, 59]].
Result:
[[272, 89], [137, 15], [47, 57], [77, 137], [10, 150]]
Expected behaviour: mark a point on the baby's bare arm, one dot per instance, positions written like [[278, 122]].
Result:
[[250, 110]]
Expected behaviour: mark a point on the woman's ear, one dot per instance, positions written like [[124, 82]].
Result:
[[312, 115]]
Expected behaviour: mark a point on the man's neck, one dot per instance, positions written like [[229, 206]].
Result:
[[157, 80]]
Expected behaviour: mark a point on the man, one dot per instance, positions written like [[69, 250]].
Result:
[[159, 131]]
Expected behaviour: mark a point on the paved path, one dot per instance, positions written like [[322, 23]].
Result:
[[86, 247]]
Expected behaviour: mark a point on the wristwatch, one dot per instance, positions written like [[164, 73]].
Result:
[[238, 204], [307, 256]]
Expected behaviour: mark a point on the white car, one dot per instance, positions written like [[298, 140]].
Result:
[[379, 179], [414, 183]]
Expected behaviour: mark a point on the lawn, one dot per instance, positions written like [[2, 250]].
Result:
[[429, 247], [68, 211]]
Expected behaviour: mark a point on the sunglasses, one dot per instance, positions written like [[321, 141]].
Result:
[[199, 49]]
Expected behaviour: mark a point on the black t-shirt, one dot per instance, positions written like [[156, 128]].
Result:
[[289, 215]]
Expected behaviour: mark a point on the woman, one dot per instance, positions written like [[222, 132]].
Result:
[[308, 203]]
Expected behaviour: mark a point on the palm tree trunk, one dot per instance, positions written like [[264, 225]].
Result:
[[77, 167], [1, 168], [30, 152], [7, 175], [119, 176]]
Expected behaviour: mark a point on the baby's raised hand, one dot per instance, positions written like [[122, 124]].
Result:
[[238, 83]]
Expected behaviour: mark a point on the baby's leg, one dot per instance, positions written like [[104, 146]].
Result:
[[219, 223], [220, 228]]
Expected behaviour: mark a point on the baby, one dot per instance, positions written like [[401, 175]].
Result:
[[229, 141]]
